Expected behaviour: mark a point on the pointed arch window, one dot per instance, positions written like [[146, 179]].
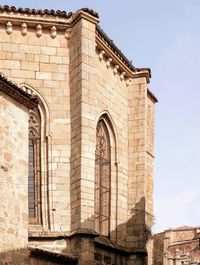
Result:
[[34, 174], [102, 179]]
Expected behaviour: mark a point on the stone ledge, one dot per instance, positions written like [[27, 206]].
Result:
[[106, 243], [52, 256], [48, 235]]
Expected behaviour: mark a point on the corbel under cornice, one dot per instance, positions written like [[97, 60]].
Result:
[[118, 65], [119, 62], [33, 21], [109, 54], [53, 23]]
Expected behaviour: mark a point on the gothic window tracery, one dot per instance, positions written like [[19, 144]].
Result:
[[34, 174], [102, 179]]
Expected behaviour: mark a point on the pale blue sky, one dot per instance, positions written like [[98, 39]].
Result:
[[165, 36]]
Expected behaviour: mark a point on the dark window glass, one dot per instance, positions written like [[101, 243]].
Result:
[[102, 179], [34, 166]]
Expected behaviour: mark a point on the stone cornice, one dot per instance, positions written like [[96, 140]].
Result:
[[59, 19], [16, 92], [86, 15], [152, 96], [45, 12], [109, 43], [108, 50], [92, 12], [184, 242], [44, 19], [36, 12], [33, 20], [142, 74], [113, 56]]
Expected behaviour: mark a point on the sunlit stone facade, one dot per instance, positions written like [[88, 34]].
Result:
[[79, 180]]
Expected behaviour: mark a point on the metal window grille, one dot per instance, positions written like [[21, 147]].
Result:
[[34, 196], [102, 179]]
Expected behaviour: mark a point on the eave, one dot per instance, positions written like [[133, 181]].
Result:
[[17, 93], [124, 66]]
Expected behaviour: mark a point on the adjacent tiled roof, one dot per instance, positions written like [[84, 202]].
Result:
[[51, 12], [52, 256], [16, 92]]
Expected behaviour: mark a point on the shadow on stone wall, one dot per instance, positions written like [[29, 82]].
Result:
[[35, 257], [127, 244], [87, 245], [158, 249]]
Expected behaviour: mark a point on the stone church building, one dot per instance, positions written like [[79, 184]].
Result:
[[76, 143]]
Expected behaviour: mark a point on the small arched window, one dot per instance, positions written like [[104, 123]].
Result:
[[102, 179], [34, 173]]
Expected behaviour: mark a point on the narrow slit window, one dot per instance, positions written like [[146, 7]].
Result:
[[102, 179], [34, 174]]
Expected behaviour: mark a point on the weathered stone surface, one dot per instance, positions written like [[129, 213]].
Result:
[[177, 246], [76, 86]]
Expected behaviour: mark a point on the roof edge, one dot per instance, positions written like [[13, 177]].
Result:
[[152, 96], [34, 11], [50, 12], [16, 92], [90, 11], [115, 49]]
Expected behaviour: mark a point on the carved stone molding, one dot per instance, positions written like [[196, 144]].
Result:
[[9, 27], [122, 76], [108, 62], [34, 124], [45, 12], [38, 31], [112, 60], [129, 81], [101, 54], [68, 33], [53, 32], [115, 69], [24, 29]]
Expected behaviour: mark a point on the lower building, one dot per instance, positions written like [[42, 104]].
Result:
[[179, 246]]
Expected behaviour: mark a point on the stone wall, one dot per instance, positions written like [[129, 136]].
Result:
[[43, 63], [187, 252], [13, 176], [76, 86], [176, 246]]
